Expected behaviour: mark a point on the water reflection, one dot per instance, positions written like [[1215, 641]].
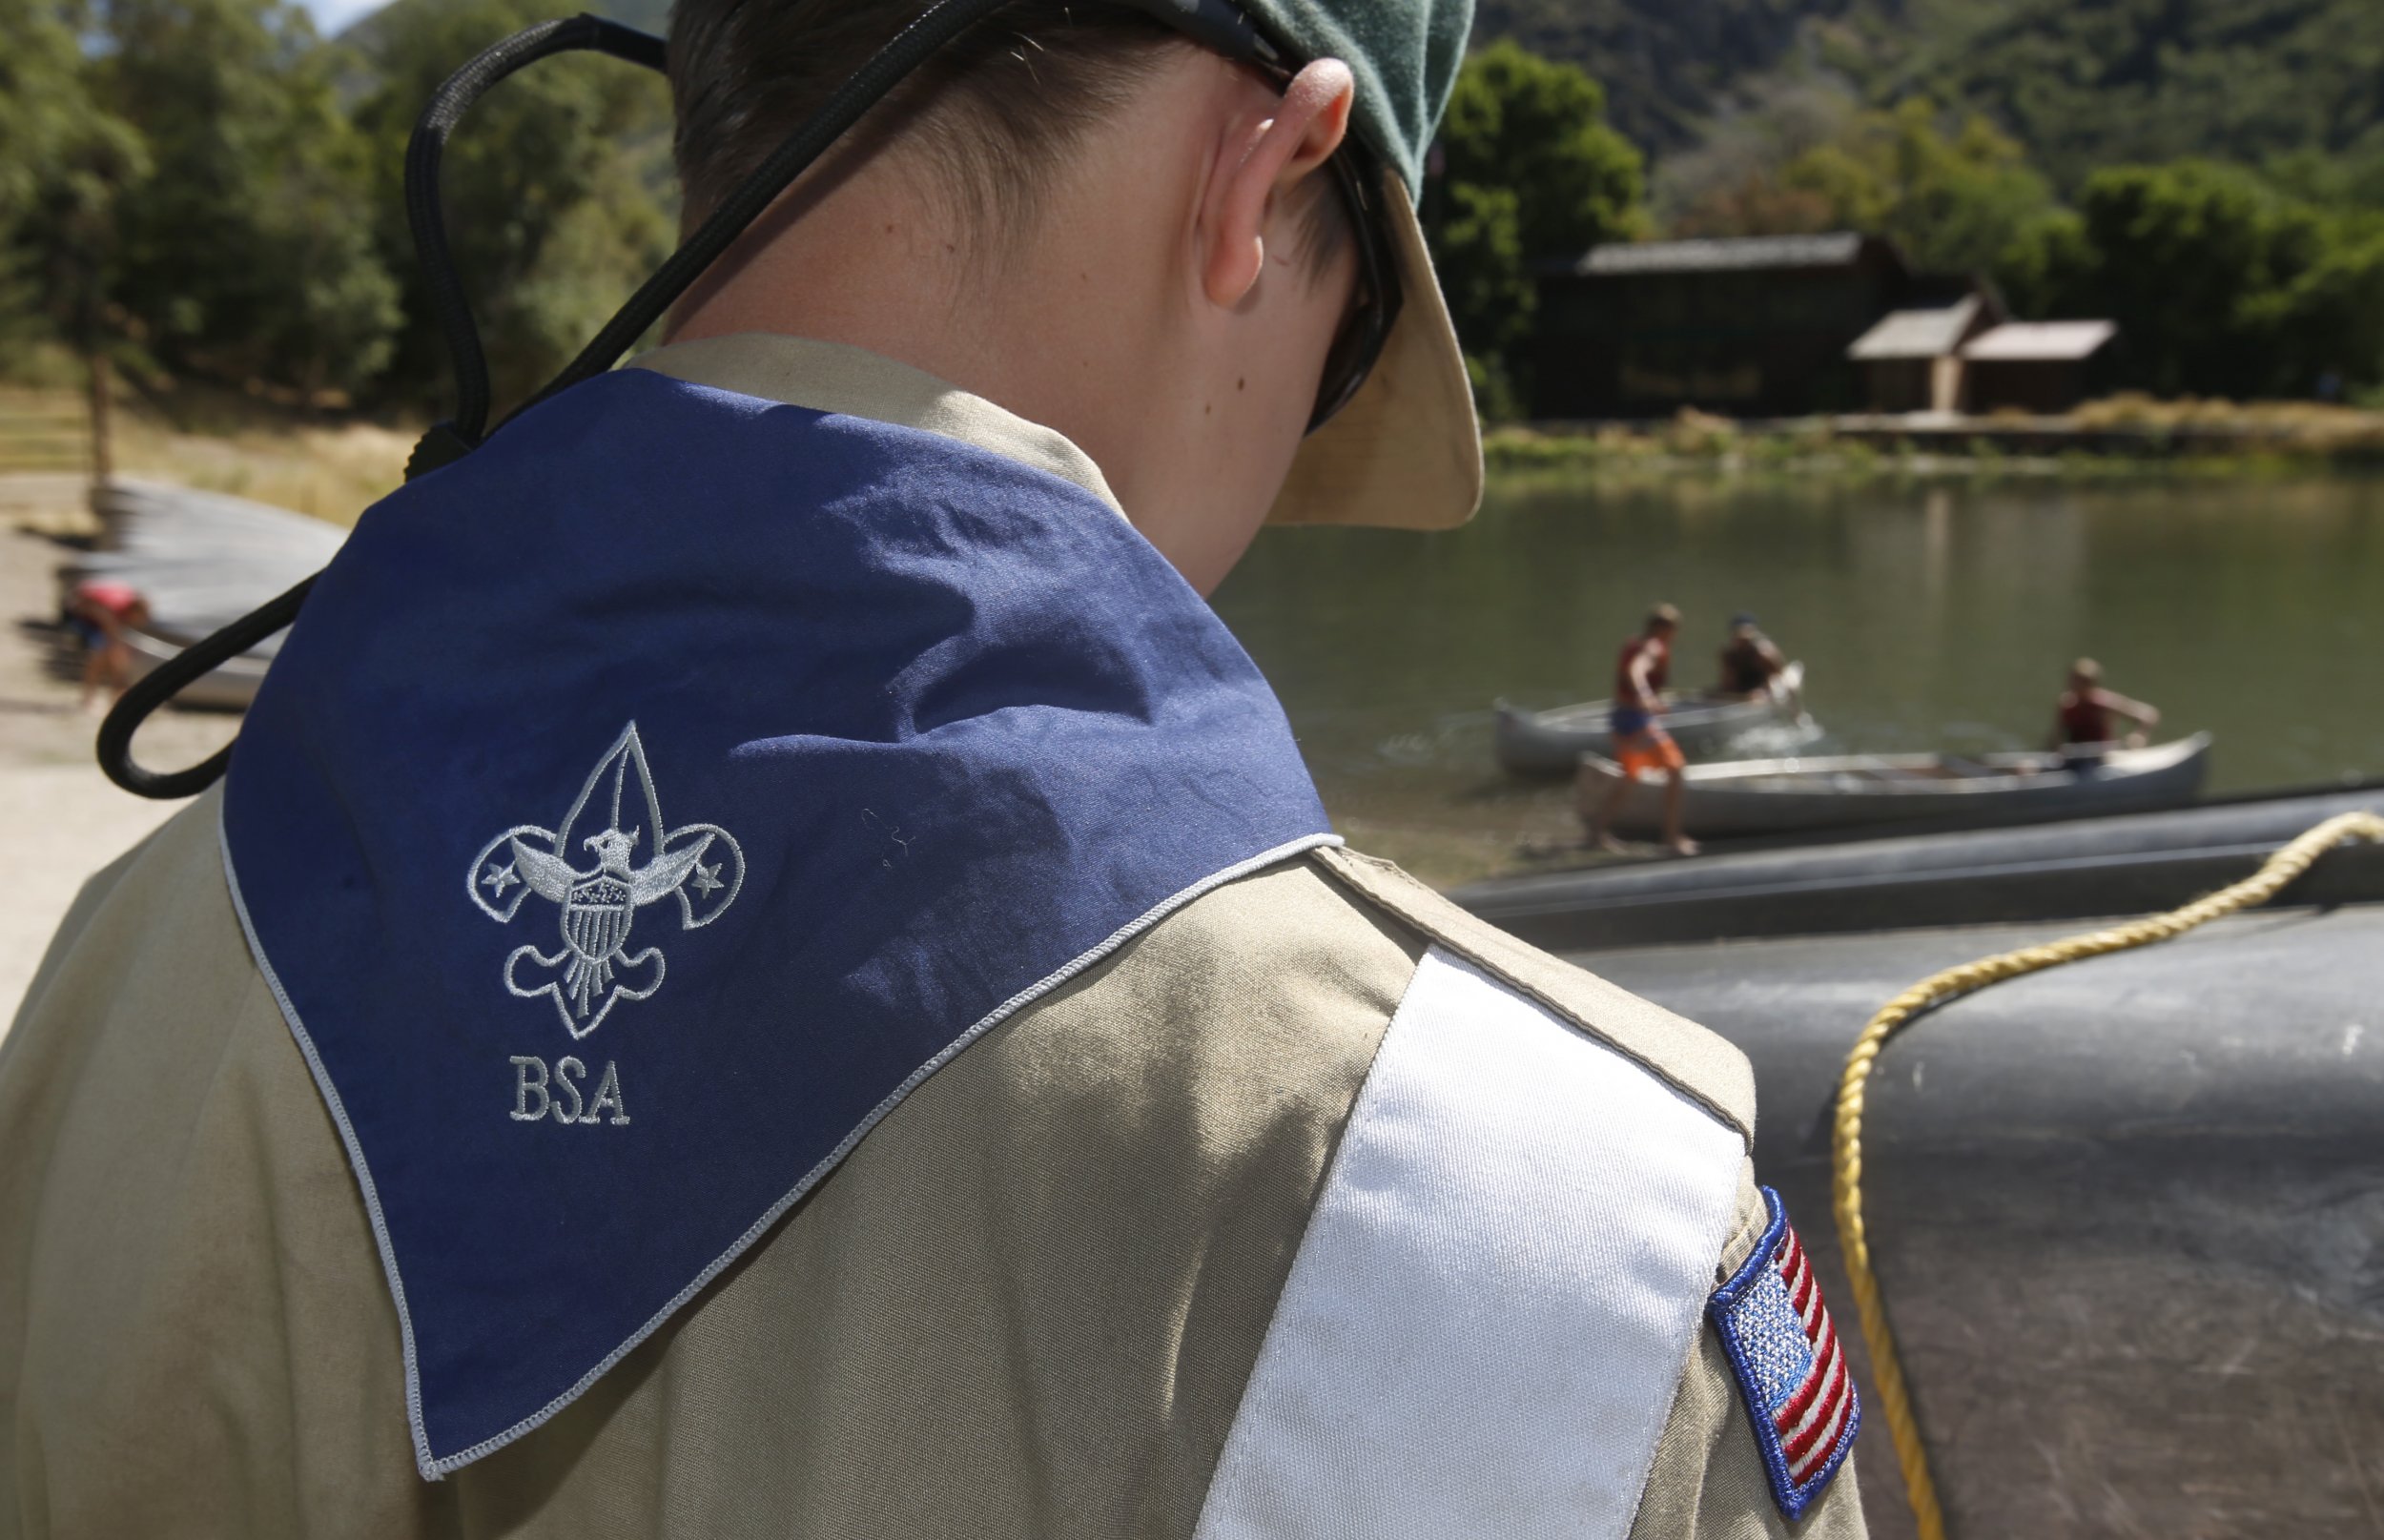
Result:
[[1928, 615]]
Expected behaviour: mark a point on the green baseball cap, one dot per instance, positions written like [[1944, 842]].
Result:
[[1405, 55], [1406, 451]]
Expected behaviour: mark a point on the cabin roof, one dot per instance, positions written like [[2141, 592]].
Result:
[[1737, 254], [1935, 332], [2040, 342]]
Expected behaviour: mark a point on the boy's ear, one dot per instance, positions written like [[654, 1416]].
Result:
[[1265, 158]]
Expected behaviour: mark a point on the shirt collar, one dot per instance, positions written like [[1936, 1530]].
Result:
[[852, 382]]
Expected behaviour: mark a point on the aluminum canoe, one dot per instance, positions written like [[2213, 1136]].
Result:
[[1552, 742], [1767, 796]]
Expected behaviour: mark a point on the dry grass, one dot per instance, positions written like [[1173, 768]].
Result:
[[222, 441], [2315, 428], [330, 472], [2120, 434]]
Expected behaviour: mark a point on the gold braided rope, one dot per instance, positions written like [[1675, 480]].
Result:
[[1846, 1143]]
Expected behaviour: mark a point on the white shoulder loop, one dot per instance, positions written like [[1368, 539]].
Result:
[[1489, 1312]]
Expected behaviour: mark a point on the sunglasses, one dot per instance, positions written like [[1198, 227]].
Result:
[[1225, 29]]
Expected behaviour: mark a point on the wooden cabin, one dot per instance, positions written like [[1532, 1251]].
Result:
[[1749, 327], [1788, 326]]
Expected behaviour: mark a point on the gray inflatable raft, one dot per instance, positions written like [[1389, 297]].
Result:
[[202, 560], [2129, 1213]]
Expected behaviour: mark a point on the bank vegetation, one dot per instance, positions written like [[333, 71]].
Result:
[[2126, 435]]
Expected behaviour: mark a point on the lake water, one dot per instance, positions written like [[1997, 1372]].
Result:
[[1929, 615]]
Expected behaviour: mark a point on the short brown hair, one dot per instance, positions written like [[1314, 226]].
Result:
[[993, 112], [1663, 615]]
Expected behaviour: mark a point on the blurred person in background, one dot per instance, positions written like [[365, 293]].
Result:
[[2086, 716], [1636, 727], [101, 610], [1750, 660]]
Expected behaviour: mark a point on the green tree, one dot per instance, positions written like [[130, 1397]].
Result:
[[1529, 169], [2223, 285], [244, 255], [2050, 268], [1519, 121], [1954, 203], [46, 111], [559, 198], [1490, 294], [2180, 252], [2327, 321], [1756, 204], [64, 160]]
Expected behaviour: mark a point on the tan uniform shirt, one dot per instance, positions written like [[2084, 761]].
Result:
[[1032, 1301]]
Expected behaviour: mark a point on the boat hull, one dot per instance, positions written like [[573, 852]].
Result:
[[1785, 795], [1550, 742], [201, 560], [2073, 870], [2127, 1213], [229, 686]]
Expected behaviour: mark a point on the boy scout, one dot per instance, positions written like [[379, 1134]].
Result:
[[764, 964]]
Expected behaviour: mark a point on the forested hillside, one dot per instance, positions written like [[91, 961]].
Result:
[[207, 189], [2078, 83], [1669, 67], [2208, 173], [2082, 85]]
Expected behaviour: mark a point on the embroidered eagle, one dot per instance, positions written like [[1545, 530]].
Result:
[[599, 904]]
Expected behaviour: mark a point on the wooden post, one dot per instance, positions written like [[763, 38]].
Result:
[[102, 460]]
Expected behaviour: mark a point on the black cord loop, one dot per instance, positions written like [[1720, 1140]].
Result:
[[166, 681], [444, 442], [426, 217]]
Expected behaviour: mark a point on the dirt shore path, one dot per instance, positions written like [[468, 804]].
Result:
[[60, 819]]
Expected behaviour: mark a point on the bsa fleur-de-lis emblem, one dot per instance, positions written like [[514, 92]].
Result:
[[697, 864]]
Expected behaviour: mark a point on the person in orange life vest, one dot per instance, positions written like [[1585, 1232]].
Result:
[[2083, 714], [1640, 742]]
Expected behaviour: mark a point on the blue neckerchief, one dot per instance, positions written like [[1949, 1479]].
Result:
[[647, 802]]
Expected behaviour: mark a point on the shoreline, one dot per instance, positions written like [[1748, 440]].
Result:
[[2121, 436]]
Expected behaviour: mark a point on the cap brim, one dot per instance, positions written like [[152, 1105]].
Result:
[[1407, 452]]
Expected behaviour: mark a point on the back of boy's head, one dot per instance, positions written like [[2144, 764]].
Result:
[[991, 120]]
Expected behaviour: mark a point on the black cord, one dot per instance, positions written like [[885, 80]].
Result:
[[164, 681], [444, 442], [426, 217]]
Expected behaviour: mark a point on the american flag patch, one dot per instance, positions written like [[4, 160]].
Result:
[[1792, 1371]]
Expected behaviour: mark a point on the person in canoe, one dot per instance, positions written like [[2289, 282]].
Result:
[[1750, 661], [2087, 713], [1640, 742]]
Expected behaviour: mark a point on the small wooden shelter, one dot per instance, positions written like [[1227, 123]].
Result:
[[2043, 366], [1912, 358]]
